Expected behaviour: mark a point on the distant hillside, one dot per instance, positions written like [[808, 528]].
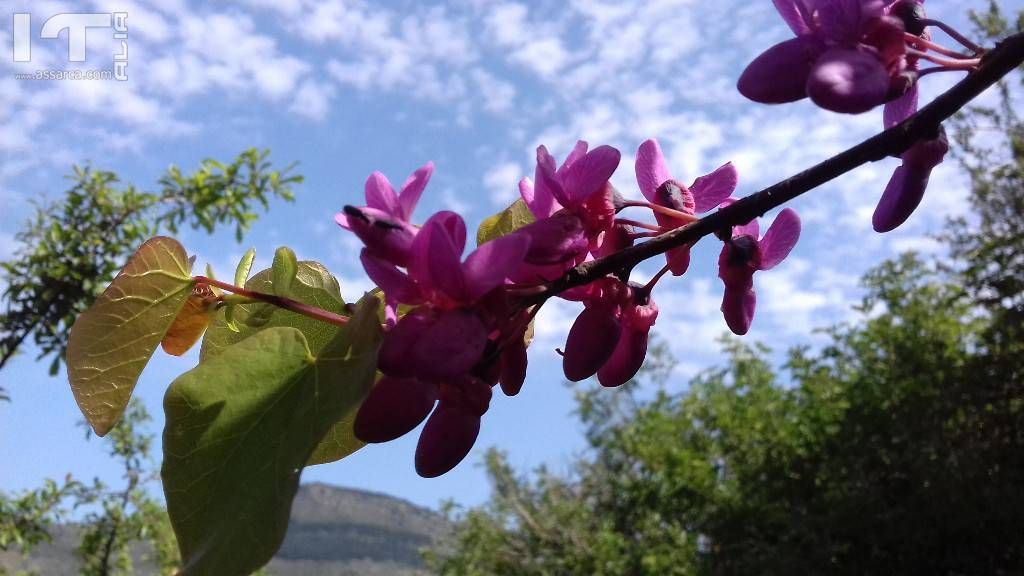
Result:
[[333, 532]]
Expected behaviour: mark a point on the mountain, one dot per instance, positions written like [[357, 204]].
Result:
[[333, 532]]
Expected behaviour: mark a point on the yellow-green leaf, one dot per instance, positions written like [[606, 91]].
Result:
[[505, 222], [111, 342], [283, 271], [244, 266]]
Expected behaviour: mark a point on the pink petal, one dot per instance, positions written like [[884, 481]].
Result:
[[589, 174], [780, 239], [712, 189], [394, 407], [395, 355], [554, 240], [901, 197], [445, 441], [900, 109], [591, 341], [436, 261], [752, 229], [382, 233], [513, 366], [795, 14], [626, 360], [450, 347], [380, 194], [678, 260], [578, 151], [848, 81], [547, 187], [651, 171], [738, 308], [412, 189], [396, 284], [843, 21], [489, 265], [341, 220], [927, 154], [455, 226], [780, 73]]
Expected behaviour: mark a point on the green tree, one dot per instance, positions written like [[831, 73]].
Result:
[[886, 451], [71, 248], [115, 524]]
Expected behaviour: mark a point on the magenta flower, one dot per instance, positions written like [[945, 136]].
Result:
[[435, 351], [657, 185], [906, 187], [573, 204], [848, 56], [743, 254], [452, 429], [631, 349], [384, 223], [394, 407], [609, 337]]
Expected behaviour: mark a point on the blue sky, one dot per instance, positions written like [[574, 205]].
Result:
[[346, 87]]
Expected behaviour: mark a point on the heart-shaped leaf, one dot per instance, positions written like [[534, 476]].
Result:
[[241, 426]]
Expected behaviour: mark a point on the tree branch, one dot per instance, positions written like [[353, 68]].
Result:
[[997, 63]]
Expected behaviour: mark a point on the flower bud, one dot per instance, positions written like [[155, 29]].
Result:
[[591, 341], [393, 408]]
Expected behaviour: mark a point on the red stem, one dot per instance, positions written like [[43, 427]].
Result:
[[279, 301]]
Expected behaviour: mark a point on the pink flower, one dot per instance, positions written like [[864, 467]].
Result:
[[384, 223], [743, 254], [438, 350], [573, 204], [609, 337], [658, 186], [907, 185], [848, 56]]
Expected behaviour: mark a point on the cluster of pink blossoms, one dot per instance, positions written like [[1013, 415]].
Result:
[[853, 55], [456, 328]]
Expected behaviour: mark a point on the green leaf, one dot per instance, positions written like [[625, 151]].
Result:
[[241, 426], [313, 285], [244, 266], [283, 271], [111, 342], [505, 222]]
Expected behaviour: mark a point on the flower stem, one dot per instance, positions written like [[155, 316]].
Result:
[[279, 301], [924, 44], [954, 35], [638, 224], [967, 65], [650, 285], [663, 209]]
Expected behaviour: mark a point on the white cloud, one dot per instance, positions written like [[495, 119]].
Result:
[[502, 182], [313, 100], [497, 94]]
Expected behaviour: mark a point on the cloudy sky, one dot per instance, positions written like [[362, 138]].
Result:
[[346, 87]]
